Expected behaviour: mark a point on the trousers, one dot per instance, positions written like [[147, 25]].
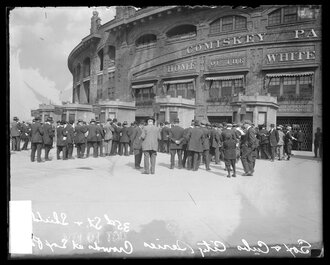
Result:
[[150, 155], [179, 153], [80, 149], [36, 147]]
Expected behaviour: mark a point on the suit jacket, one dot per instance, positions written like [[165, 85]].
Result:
[[251, 138], [176, 133], [196, 139], [273, 137], [207, 135], [264, 137], [137, 141], [93, 130], [108, 131], [25, 131], [70, 134], [185, 137], [288, 138], [100, 133], [116, 134], [48, 134], [36, 133], [15, 129], [124, 138], [165, 131], [150, 136], [226, 133], [62, 134], [215, 138], [79, 132], [229, 149], [130, 130]]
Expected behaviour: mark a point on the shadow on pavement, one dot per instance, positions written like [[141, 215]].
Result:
[[307, 157]]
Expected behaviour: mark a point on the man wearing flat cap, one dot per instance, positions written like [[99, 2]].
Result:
[[79, 138], [195, 138], [15, 133], [48, 137], [176, 141], [150, 136], [36, 140]]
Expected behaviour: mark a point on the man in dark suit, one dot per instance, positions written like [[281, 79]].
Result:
[[124, 139], [36, 139], [15, 133], [264, 142], [137, 145], [61, 141], [70, 139], [130, 133], [206, 144], [93, 130], [165, 133], [288, 138], [48, 136], [25, 135], [176, 141], [150, 136], [248, 147], [215, 143], [186, 152], [300, 138], [80, 139], [273, 140], [195, 139]]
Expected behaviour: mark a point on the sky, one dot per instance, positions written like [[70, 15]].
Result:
[[40, 41]]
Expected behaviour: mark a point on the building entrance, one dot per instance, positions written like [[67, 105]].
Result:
[[303, 123]]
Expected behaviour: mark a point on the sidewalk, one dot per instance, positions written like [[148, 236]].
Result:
[[280, 204]]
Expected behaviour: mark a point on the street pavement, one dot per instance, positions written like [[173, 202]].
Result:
[[103, 207]]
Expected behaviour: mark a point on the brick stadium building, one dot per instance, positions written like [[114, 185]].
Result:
[[215, 63]]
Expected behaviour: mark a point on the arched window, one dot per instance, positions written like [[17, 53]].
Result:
[[146, 39], [100, 55], [228, 23], [112, 54], [291, 14], [182, 30], [87, 67]]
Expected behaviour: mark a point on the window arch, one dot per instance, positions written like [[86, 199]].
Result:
[[100, 55], [112, 54], [146, 39], [87, 67], [78, 70], [182, 30], [228, 23], [291, 14]]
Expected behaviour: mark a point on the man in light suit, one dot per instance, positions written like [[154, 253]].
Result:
[[108, 129], [150, 136], [273, 141]]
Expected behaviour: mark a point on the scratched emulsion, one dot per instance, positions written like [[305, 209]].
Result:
[[115, 210]]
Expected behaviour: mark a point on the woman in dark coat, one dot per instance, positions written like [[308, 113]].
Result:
[[229, 151]]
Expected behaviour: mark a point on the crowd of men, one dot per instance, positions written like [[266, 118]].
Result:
[[199, 144]]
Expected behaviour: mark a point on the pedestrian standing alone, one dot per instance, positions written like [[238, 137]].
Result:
[[229, 150], [150, 136]]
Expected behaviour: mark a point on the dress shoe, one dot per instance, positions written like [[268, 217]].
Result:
[[250, 174], [234, 175], [47, 159], [228, 176], [41, 161], [245, 174]]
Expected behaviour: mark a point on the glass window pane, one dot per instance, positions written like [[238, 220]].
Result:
[[240, 22], [289, 85], [227, 23], [226, 87], [190, 91], [275, 18], [306, 86], [274, 86], [215, 26]]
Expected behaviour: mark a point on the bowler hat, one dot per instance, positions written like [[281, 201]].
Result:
[[15, 119], [80, 120], [49, 119], [151, 118], [109, 119], [125, 123], [208, 124], [63, 122], [37, 118], [114, 120]]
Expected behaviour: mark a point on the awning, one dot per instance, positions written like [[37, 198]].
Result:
[[228, 77], [289, 74], [143, 85], [178, 81]]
